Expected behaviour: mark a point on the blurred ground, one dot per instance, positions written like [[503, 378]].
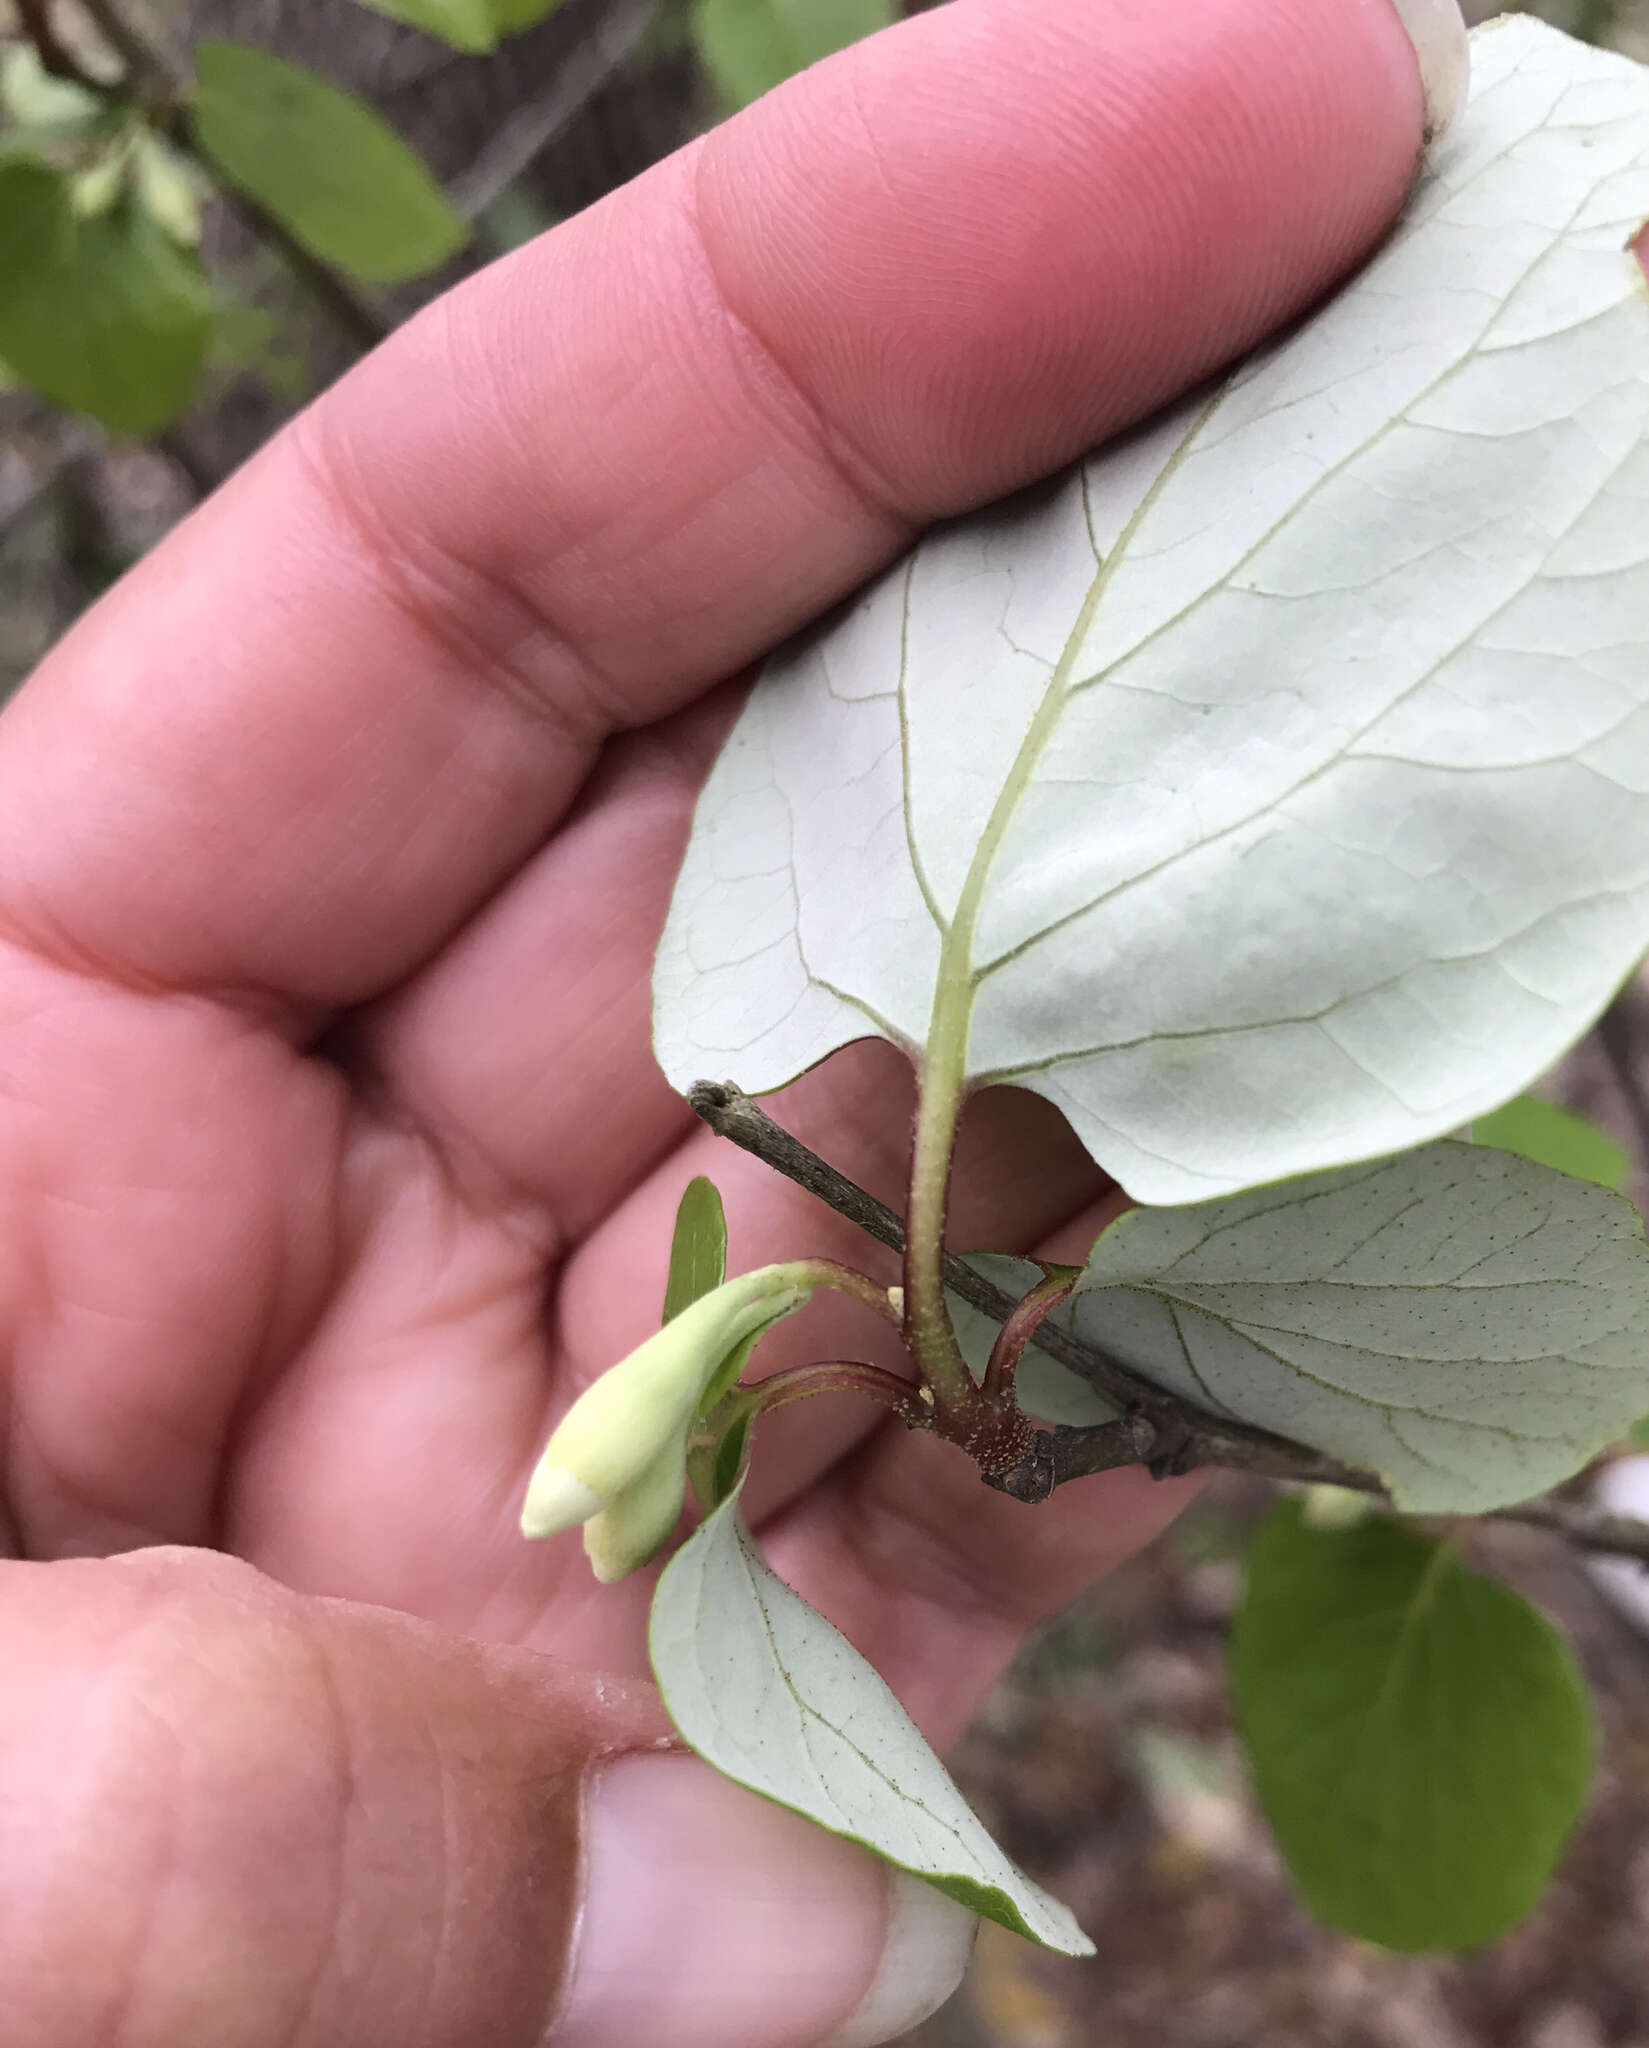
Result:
[[1105, 1760], [1106, 1763]]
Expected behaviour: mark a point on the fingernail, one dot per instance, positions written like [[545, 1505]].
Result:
[[1437, 29], [713, 1919]]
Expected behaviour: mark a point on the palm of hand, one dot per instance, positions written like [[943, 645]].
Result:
[[335, 1160]]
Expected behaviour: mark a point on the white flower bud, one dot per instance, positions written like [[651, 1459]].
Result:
[[635, 1525], [619, 1429]]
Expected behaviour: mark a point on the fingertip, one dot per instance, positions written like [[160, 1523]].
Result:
[[1055, 216], [1442, 48], [714, 1919]]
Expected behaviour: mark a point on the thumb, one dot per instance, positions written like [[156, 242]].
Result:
[[233, 1814]]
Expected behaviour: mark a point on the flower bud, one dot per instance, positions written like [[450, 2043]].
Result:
[[636, 1524], [633, 1421]]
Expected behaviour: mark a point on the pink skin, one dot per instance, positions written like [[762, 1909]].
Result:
[[334, 844]]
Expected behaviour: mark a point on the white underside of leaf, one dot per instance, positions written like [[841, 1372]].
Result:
[[1297, 749], [1468, 1325], [763, 1688]]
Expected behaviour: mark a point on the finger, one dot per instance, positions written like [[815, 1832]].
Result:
[[355, 690], [1155, 277], [230, 1814]]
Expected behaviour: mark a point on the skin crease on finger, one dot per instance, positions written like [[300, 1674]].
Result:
[[277, 1278]]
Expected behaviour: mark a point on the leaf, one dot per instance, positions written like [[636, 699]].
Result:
[[103, 313], [1045, 1388], [464, 24], [1555, 1137], [510, 17], [1466, 1324], [776, 1699], [474, 26], [1271, 790], [698, 1250], [698, 1263], [1420, 1738], [323, 164], [750, 46]]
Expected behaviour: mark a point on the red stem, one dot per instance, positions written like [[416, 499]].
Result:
[[841, 1376], [1018, 1330]]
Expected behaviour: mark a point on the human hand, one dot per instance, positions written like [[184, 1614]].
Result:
[[333, 848]]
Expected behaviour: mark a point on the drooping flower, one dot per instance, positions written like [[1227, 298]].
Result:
[[617, 1462]]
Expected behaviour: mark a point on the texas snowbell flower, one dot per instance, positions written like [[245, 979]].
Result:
[[618, 1460]]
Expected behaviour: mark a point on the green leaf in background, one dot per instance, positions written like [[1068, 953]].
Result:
[[763, 1688], [1420, 1738], [698, 1250], [1467, 1325], [1206, 790], [464, 24], [510, 17], [323, 164], [473, 26], [105, 313], [1555, 1137], [750, 46]]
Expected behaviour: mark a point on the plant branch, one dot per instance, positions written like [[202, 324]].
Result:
[[1157, 1429], [1028, 1313], [1586, 1528], [838, 1376], [1183, 1437], [528, 132], [57, 60], [142, 59]]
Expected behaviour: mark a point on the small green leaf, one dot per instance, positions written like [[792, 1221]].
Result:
[[1639, 1432], [464, 24], [1421, 1740], [510, 17], [698, 1263], [323, 164], [698, 1250], [1555, 1137], [768, 1692], [473, 26], [749, 46], [103, 313]]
